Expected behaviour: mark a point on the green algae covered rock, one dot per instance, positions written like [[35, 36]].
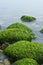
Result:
[[41, 31], [26, 61], [25, 49], [27, 18], [19, 26], [22, 27], [14, 35]]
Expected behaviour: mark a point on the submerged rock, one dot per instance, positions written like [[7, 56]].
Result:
[[41, 31], [27, 18]]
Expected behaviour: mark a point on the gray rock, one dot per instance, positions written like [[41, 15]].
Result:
[[4, 59]]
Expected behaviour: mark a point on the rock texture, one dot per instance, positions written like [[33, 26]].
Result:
[[4, 59]]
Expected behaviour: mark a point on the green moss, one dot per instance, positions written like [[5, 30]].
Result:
[[22, 27], [26, 61], [25, 49], [41, 31], [13, 35], [27, 18], [19, 26]]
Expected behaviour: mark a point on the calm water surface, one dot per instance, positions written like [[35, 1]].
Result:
[[12, 10]]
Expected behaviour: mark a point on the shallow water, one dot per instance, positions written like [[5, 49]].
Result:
[[12, 10]]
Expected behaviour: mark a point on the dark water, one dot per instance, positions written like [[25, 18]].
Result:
[[12, 10]]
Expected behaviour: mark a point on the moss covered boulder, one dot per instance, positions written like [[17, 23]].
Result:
[[25, 49], [41, 31], [22, 27], [27, 18], [19, 26], [14, 35], [26, 61]]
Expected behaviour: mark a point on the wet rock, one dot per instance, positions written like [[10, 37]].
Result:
[[4, 60]]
